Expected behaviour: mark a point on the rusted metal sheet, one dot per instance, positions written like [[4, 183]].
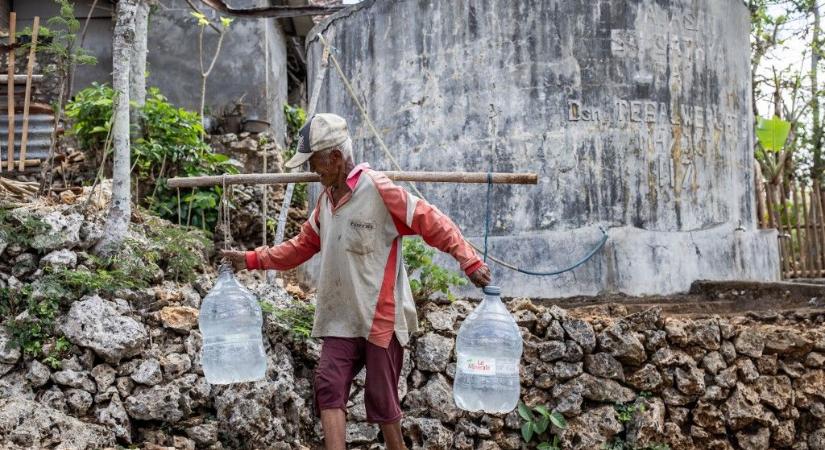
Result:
[[40, 135]]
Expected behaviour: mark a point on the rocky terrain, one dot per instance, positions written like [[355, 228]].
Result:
[[130, 373]]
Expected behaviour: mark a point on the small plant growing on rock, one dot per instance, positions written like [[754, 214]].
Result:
[[297, 317], [430, 277], [536, 423], [626, 412]]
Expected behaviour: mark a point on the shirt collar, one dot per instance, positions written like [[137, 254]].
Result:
[[355, 174]]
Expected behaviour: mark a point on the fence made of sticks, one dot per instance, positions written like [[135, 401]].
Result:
[[798, 213]]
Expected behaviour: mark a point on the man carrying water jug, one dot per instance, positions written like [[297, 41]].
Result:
[[365, 310]]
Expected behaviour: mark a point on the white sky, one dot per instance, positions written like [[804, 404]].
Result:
[[790, 55]]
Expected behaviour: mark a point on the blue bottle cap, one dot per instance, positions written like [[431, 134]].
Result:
[[492, 290]]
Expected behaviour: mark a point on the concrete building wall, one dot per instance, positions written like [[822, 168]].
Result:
[[251, 64], [635, 114]]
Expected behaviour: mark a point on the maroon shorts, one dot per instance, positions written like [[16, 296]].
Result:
[[342, 359]]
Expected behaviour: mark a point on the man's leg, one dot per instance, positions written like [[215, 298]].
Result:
[[392, 436], [381, 391], [334, 422], [341, 359]]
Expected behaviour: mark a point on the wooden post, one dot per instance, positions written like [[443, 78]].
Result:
[[816, 219], [803, 248], [307, 177], [10, 86], [819, 223], [792, 261], [811, 251], [24, 139]]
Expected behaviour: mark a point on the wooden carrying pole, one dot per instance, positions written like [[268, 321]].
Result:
[[307, 177], [24, 139], [10, 84]]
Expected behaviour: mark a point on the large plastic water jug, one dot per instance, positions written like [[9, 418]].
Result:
[[230, 321], [488, 348]]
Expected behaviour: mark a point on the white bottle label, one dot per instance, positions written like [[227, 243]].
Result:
[[474, 365]]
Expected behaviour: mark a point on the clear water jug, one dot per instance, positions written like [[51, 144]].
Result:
[[230, 321], [488, 348]]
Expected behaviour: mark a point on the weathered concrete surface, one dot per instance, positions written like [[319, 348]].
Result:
[[252, 63], [635, 113]]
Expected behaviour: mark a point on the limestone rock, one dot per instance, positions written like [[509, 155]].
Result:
[[702, 333], [743, 408], [175, 364], [115, 417], [750, 342], [690, 381], [812, 383], [95, 323], [603, 390], [622, 344], [442, 320], [75, 379], [709, 417], [361, 433], [38, 374], [204, 434], [432, 352], [787, 342], [179, 318], [774, 391], [33, 425], [713, 362], [648, 425], [551, 351], [438, 395], [78, 401], [62, 258], [591, 430], [604, 365], [565, 370], [148, 372], [429, 432], [783, 434], [581, 332], [9, 353], [647, 378], [760, 439], [104, 376]]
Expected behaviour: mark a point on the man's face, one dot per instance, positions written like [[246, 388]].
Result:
[[326, 165]]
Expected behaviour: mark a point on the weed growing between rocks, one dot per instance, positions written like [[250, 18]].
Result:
[[537, 422], [426, 277], [297, 317]]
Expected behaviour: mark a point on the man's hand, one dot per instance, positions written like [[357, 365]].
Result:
[[481, 277], [236, 258]]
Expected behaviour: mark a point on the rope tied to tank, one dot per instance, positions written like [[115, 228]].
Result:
[[330, 51]]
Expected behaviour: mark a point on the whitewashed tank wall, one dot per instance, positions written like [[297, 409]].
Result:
[[636, 114]]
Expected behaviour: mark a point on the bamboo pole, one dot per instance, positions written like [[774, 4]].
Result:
[[810, 246], [819, 223], [10, 87], [760, 204], [306, 177], [816, 230], [792, 261], [803, 249], [769, 202], [24, 139]]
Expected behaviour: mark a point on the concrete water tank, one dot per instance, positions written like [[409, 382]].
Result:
[[636, 114]]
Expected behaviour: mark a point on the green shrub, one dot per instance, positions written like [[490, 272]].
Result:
[[297, 317], [426, 277], [179, 251], [15, 231], [91, 115], [169, 145], [296, 117]]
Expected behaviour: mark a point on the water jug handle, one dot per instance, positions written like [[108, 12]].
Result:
[[225, 265]]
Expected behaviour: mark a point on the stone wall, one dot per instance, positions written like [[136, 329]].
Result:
[[634, 113], [133, 372]]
